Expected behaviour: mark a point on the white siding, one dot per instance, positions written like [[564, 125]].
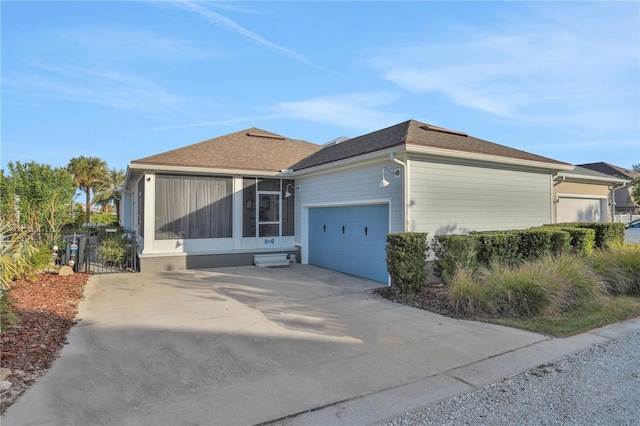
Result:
[[351, 186], [450, 198]]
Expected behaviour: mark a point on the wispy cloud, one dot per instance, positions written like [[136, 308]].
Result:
[[210, 123], [356, 111], [111, 88], [227, 24], [353, 111], [524, 71], [123, 44], [102, 65]]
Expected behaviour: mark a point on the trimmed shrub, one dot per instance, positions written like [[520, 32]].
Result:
[[509, 247], [560, 241], [582, 239], [453, 252], [500, 246], [534, 243], [619, 268], [607, 234], [407, 260]]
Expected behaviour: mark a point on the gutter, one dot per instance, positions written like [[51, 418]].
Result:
[[556, 176], [613, 198], [206, 170], [468, 155], [589, 178]]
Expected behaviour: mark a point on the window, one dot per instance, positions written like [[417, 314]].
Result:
[[193, 207]]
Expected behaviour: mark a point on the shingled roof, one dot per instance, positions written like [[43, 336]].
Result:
[[414, 133], [611, 170], [251, 149]]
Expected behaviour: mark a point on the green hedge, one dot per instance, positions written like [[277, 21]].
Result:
[[451, 252], [560, 241], [407, 260], [502, 246], [583, 240], [607, 234], [513, 246], [507, 247]]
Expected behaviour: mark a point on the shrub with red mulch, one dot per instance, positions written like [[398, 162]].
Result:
[[45, 310]]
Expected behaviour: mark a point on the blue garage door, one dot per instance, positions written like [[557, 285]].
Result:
[[350, 239]]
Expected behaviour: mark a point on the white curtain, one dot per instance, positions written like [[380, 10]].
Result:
[[191, 207]]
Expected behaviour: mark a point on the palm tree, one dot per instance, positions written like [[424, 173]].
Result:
[[106, 190], [87, 172]]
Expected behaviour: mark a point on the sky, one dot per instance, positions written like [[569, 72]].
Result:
[[123, 80]]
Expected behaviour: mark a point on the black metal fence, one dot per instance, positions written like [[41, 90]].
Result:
[[95, 250]]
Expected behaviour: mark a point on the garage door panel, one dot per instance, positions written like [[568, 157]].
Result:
[[572, 209], [350, 239]]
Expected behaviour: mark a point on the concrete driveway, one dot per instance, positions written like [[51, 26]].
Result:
[[249, 345]]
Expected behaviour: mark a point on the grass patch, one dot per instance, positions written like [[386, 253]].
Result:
[[619, 268], [545, 287], [613, 309], [557, 296]]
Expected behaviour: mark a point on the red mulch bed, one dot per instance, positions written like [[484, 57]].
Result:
[[45, 310]]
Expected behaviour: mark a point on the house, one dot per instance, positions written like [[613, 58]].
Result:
[[624, 203], [221, 201], [585, 195], [214, 203]]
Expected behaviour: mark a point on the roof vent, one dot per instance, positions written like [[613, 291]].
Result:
[[443, 130], [264, 135], [336, 141]]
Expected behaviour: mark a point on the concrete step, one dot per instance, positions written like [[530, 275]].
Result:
[[274, 259]]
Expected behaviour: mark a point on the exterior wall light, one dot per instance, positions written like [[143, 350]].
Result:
[[394, 172], [288, 193]]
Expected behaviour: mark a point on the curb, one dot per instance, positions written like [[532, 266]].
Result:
[[422, 393]]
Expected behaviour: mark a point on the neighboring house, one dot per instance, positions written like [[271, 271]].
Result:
[[584, 195], [624, 203], [221, 201]]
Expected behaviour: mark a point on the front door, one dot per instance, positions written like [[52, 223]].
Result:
[[268, 218]]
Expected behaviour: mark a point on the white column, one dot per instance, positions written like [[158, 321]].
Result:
[[238, 212], [149, 211]]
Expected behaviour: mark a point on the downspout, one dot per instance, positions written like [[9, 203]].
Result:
[[613, 199], [554, 196], [405, 187]]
